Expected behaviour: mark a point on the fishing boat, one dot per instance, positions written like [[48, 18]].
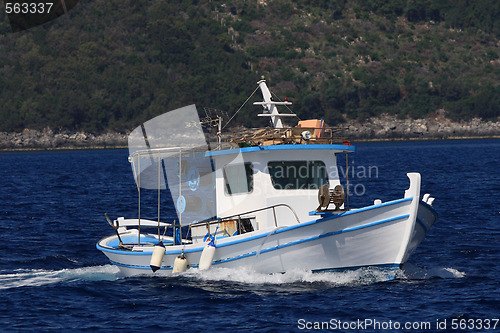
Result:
[[271, 200]]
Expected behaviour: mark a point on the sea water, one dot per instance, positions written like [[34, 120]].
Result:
[[52, 278]]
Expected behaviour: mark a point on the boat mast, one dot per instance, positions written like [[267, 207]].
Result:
[[270, 109]]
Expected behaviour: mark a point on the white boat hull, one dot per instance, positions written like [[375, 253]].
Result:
[[379, 235]]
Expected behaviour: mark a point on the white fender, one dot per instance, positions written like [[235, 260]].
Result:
[[207, 256], [430, 201], [157, 257], [377, 202], [180, 264], [426, 197]]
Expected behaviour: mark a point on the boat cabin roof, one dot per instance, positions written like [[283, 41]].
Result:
[[337, 148]]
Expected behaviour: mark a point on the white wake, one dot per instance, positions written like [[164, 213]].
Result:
[[362, 276], [40, 277], [412, 272], [248, 276]]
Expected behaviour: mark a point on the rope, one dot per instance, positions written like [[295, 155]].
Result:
[[285, 105], [240, 107]]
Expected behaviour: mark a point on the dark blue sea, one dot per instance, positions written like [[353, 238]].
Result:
[[52, 278]]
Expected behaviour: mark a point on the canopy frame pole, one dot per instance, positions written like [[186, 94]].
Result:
[[159, 187], [180, 187], [139, 208], [347, 179]]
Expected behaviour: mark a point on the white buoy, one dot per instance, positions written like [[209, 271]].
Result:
[[180, 264], [157, 257], [207, 256]]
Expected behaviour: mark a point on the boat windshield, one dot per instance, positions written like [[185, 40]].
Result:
[[298, 175], [238, 178]]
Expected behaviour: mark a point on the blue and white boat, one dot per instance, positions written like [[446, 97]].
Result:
[[271, 201]]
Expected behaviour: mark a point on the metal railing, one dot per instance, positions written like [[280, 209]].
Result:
[[239, 215]]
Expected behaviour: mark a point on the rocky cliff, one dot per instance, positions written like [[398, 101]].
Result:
[[49, 139], [390, 127]]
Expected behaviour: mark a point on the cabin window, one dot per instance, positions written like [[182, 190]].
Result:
[[298, 175], [238, 178]]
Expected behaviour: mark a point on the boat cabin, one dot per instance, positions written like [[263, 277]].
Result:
[[253, 178]]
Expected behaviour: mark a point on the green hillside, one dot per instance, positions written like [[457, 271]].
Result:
[[115, 63]]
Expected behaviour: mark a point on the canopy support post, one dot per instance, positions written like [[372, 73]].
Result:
[[139, 209], [347, 180]]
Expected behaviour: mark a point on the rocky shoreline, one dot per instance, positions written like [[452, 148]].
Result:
[[432, 128], [376, 129], [50, 139]]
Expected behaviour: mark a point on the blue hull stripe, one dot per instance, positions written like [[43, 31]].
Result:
[[325, 219], [274, 248], [339, 269], [364, 209], [119, 264], [340, 148], [147, 267], [284, 229], [333, 233], [292, 227]]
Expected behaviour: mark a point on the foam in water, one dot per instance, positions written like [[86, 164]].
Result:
[[40, 277], [362, 276], [248, 276], [412, 272]]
